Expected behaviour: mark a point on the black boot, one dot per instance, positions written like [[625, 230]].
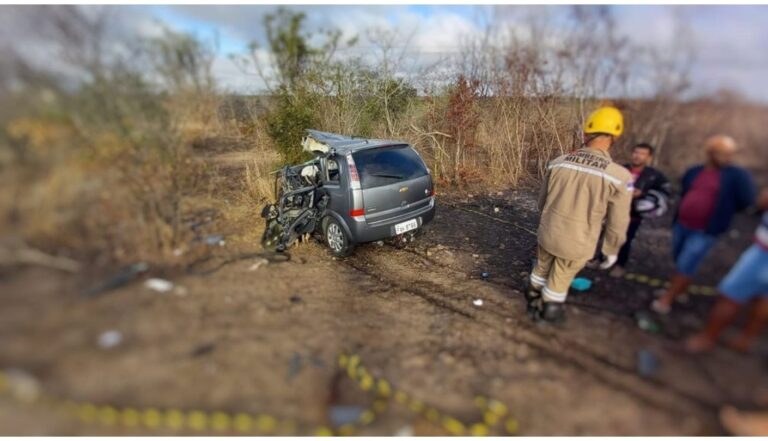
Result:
[[534, 302], [552, 312]]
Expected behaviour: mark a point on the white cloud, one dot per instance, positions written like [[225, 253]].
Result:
[[730, 40]]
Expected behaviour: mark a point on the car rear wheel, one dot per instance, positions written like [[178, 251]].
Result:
[[336, 239]]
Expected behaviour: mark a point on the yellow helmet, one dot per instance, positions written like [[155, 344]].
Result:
[[606, 120]]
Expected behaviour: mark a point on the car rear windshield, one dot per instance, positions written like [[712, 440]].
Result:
[[388, 165]]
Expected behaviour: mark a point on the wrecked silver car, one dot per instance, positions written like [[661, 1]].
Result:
[[355, 190]]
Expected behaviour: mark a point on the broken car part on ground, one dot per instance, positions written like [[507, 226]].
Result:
[[355, 190]]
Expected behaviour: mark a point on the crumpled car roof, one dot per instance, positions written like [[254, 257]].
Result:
[[323, 141]]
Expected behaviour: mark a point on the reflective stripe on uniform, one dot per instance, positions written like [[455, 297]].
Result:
[[537, 280], [587, 170], [552, 296]]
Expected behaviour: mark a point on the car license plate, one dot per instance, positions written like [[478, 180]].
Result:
[[406, 226]]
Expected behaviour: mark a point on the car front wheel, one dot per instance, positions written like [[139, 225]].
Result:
[[336, 239]]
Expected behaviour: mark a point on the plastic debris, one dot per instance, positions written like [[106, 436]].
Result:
[[485, 275], [22, 385], [122, 278], [581, 284], [159, 285], [258, 264], [477, 302], [404, 431], [496, 209], [294, 366], [215, 239], [647, 363], [345, 414], [110, 339], [646, 322], [203, 349]]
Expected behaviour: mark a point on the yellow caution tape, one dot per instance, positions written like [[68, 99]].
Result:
[[492, 410], [220, 421], [656, 282]]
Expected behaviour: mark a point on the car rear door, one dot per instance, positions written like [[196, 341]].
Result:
[[394, 181]]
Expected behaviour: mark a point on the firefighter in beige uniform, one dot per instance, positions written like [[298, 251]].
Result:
[[580, 191]]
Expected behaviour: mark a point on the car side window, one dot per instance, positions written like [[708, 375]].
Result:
[[332, 170]]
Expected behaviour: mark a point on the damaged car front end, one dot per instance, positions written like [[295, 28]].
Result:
[[354, 191]]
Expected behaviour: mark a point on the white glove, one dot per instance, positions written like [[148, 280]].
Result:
[[608, 262]]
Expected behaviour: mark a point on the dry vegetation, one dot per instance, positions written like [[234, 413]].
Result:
[[125, 165]]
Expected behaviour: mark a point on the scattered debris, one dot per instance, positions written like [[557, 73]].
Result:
[[258, 263], [294, 366], [646, 322], [203, 349], [496, 209], [404, 431], [22, 385], [476, 256], [344, 414], [477, 302], [110, 339], [379, 243], [296, 299], [647, 363], [159, 285], [215, 239], [122, 278], [485, 275], [581, 284]]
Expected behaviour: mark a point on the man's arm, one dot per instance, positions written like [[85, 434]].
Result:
[[747, 192], [617, 220]]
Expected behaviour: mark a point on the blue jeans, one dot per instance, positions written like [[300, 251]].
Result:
[[689, 247], [748, 278]]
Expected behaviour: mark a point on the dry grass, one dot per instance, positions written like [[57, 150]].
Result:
[[111, 208]]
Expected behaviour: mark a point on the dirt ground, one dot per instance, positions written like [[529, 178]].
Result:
[[267, 340]]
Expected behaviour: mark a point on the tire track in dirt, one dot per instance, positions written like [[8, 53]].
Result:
[[551, 343]]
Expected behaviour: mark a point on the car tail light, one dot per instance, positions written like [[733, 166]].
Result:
[[357, 211], [354, 177]]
